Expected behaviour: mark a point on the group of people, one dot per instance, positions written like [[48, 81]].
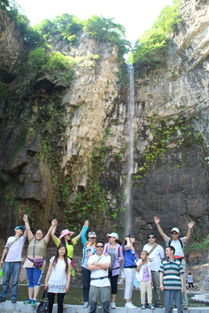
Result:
[[153, 270]]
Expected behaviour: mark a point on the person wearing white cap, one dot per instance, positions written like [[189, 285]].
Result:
[[178, 243], [88, 250], [115, 251], [11, 261]]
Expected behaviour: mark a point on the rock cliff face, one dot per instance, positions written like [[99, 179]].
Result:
[[175, 99], [81, 172]]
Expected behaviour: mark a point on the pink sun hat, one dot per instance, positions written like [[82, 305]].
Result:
[[65, 232]]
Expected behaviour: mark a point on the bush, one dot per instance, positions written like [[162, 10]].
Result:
[[31, 37], [105, 29], [55, 64], [67, 27], [150, 49]]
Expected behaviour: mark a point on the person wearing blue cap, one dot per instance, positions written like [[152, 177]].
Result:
[[11, 260]]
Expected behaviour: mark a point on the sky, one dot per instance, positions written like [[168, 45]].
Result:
[[135, 15]]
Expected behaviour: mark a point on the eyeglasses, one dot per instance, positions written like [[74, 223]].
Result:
[[174, 233], [99, 246], [151, 237]]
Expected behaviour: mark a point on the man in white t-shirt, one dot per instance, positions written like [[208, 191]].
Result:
[[99, 264], [156, 254], [11, 261], [178, 243]]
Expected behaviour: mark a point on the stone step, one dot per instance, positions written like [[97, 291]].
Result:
[[20, 307]]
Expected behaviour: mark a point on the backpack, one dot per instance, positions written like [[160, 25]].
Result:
[[170, 240]]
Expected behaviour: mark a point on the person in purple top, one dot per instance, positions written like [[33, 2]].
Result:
[[130, 258], [115, 251], [11, 260]]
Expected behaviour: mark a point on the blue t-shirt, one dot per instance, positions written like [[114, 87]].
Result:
[[130, 258]]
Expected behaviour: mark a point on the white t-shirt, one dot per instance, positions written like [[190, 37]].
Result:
[[177, 245], [15, 250], [155, 256], [58, 278], [105, 282]]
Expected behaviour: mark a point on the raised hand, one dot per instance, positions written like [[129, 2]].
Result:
[[191, 224], [86, 223], [25, 218], [156, 220], [54, 222]]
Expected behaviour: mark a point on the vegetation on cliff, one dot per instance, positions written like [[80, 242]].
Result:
[[150, 49]]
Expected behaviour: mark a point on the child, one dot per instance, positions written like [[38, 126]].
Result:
[[145, 278], [190, 280], [58, 278]]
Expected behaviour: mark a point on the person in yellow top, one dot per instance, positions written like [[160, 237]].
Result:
[[65, 238]]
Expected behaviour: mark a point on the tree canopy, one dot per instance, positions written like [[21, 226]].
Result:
[[151, 46]]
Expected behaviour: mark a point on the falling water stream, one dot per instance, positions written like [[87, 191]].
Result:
[[130, 150]]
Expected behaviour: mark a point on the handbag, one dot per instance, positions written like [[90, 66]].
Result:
[[43, 305], [37, 262]]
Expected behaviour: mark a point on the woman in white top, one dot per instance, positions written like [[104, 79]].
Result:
[[58, 278]]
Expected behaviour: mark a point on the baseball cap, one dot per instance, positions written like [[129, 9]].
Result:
[[20, 227], [175, 229], [115, 235], [92, 234]]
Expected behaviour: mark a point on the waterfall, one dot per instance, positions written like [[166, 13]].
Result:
[[130, 151]]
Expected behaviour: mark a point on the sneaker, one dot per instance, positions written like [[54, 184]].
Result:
[[151, 307], [130, 305], [27, 301], [13, 300], [34, 302], [158, 306], [113, 305], [85, 305], [143, 307]]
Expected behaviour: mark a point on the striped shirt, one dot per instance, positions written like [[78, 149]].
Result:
[[171, 274]]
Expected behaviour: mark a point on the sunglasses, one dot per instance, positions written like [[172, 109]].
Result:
[[151, 237], [174, 233], [99, 246]]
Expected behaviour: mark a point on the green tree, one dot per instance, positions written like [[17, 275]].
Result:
[[151, 46], [105, 29]]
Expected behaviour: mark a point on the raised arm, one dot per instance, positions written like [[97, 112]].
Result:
[[54, 238], [83, 233], [79, 235], [28, 231], [128, 244], [47, 237], [189, 231], [159, 228]]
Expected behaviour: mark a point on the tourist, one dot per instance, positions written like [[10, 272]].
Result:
[[178, 243], [58, 278], [155, 256], [115, 251], [88, 250], [145, 279], [99, 264], [35, 261], [190, 280], [65, 238], [130, 258], [11, 260], [172, 281]]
